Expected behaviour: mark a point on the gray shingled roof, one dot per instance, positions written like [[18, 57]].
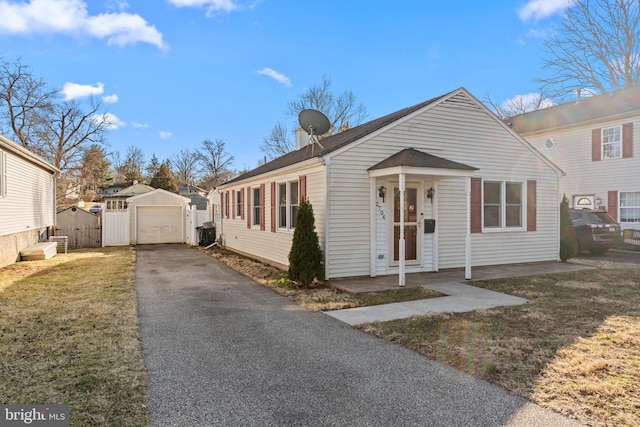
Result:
[[420, 159], [333, 142], [595, 107]]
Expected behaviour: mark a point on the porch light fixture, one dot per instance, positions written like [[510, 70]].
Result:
[[598, 201], [430, 193], [382, 191]]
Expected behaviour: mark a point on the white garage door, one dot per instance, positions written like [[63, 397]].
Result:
[[159, 224]]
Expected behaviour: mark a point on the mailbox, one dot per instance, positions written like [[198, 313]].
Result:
[[429, 226]]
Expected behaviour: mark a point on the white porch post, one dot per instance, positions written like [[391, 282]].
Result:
[[467, 244], [401, 248], [372, 227]]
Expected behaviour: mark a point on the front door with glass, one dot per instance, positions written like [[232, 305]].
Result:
[[411, 217]]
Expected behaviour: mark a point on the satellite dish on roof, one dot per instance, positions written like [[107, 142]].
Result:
[[314, 123]]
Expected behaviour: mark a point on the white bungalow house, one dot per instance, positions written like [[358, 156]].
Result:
[[446, 176], [594, 142], [27, 200]]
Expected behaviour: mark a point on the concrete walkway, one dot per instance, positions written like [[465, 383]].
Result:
[[460, 298]]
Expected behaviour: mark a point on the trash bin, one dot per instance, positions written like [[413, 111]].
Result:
[[207, 233]]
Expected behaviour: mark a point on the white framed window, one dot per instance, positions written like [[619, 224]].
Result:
[[255, 207], [630, 207], [288, 204], [117, 205], [503, 205], [3, 174], [238, 205], [612, 142]]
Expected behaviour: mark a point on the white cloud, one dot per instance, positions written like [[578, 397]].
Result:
[[211, 6], [111, 121], [111, 99], [75, 90], [279, 77], [72, 17], [165, 134], [536, 10], [139, 125]]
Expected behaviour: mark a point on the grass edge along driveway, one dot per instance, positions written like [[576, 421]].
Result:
[[69, 334]]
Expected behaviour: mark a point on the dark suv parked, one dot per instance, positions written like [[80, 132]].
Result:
[[596, 230]]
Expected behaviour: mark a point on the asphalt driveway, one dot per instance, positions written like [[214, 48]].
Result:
[[221, 350]]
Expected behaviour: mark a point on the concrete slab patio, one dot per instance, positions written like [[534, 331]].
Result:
[[381, 283]]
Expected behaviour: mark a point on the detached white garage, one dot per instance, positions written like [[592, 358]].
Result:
[[159, 224], [158, 217]]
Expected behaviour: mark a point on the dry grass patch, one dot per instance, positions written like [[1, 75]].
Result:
[[575, 349], [319, 296], [69, 334]]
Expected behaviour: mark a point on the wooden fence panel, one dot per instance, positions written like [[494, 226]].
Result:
[[81, 237]]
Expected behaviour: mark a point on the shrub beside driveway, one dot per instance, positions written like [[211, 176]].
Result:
[[69, 334]]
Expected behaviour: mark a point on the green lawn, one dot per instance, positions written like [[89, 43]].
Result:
[[69, 334]]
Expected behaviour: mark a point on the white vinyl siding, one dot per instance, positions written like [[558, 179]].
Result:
[[572, 153], [265, 244], [459, 131], [3, 174], [29, 195]]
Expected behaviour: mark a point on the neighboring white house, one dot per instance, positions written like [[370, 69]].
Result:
[[475, 193], [27, 200], [594, 142]]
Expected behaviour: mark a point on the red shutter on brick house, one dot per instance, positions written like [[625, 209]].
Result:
[[273, 207], [476, 205], [596, 144], [627, 140], [262, 213], [531, 205], [248, 199], [302, 186], [612, 205]]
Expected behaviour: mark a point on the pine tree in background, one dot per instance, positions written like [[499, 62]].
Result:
[[163, 179], [568, 240], [305, 257]]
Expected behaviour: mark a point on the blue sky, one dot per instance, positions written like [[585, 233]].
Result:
[[172, 73]]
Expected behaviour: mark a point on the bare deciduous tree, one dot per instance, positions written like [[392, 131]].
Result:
[[26, 102], [343, 112], [184, 167], [41, 122], [215, 161], [278, 143], [519, 104], [597, 49]]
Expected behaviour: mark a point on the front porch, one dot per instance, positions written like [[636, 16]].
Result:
[[382, 283]]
